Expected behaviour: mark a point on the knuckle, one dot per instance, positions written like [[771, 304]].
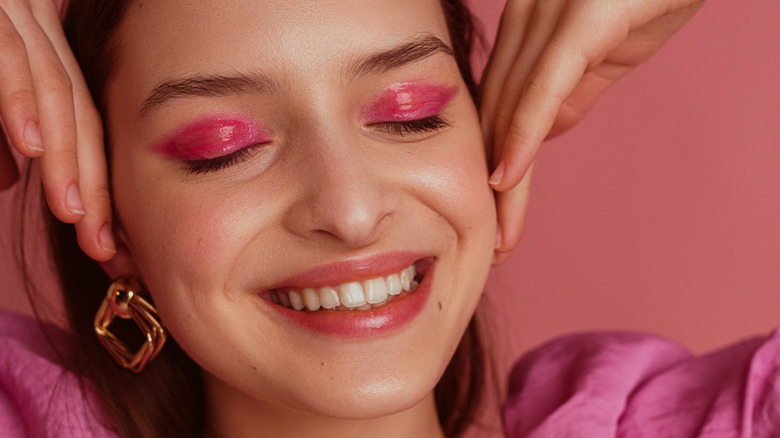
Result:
[[11, 43], [102, 195], [57, 83], [517, 135], [535, 83], [19, 98]]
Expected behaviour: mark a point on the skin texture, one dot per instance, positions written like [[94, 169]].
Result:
[[331, 186]]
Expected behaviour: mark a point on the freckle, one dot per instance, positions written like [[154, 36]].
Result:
[[322, 363], [439, 305], [331, 377], [254, 368]]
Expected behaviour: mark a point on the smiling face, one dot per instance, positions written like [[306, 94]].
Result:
[[273, 160]]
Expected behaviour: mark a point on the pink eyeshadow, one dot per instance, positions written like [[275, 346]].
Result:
[[211, 137], [409, 101]]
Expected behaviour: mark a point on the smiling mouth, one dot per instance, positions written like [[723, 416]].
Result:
[[356, 295]]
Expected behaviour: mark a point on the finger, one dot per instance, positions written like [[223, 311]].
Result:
[[511, 33], [52, 86], [95, 230], [546, 87], [511, 207], [18, 108], [543, 22], [8, 171]]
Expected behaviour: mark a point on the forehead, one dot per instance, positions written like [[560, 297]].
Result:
[[159, 39]]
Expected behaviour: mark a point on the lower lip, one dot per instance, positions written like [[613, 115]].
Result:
[[362, 323]]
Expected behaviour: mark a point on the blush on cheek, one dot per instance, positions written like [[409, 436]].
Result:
[[409, 101], [212, 137]]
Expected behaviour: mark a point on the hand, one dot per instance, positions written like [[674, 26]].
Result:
[[48, 114], [551, 61]]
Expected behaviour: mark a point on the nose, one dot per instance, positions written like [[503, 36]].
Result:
[[345, 197]]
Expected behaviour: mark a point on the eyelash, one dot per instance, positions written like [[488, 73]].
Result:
[[419, 126], [200, 167]]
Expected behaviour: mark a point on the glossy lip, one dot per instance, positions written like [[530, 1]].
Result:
[[358, 323], [409, 101], [212, 136]]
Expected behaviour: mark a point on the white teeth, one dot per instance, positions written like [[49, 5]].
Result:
[[394, 285], [296, 300], [351, 294], [311, 299], [367, 295], [375, 290], [329, 298]]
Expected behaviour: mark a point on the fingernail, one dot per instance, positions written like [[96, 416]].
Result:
[[499, 236], [497, 175], [73, 200], [32, 137], [107, 239]]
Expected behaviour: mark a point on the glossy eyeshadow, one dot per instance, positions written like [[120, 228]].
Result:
[[211, 137], [409, 101]]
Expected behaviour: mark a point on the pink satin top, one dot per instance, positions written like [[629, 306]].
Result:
[[593, 385], [38, 397], [631, 385]]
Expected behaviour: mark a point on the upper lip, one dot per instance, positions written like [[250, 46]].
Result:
[[348, 270]]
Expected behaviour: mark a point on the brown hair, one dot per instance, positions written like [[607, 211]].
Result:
[[166, 399]]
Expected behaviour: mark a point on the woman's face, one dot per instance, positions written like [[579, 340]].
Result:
[[270, 154]]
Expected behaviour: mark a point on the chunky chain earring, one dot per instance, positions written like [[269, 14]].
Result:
[[123, 301]]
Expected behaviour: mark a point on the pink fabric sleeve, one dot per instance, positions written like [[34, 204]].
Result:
[[38, 398], [630, 385]]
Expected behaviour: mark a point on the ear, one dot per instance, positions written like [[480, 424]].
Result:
[[123, 263]]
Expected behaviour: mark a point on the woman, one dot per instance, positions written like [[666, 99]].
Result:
[[257, 188]]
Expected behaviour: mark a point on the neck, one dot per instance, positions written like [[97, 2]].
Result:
[[232, 414]]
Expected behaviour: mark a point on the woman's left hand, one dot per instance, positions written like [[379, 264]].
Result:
[[551, 61]]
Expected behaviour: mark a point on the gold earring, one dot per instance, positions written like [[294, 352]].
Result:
[[123, 300]]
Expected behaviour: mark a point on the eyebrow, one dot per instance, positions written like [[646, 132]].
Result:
[[419, 48]]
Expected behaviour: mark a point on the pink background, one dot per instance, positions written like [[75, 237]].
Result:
[[660, 211]]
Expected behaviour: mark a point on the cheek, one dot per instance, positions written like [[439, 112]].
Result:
[[185, 238], [455, 184]]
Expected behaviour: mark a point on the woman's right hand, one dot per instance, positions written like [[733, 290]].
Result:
[[49, 115]]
